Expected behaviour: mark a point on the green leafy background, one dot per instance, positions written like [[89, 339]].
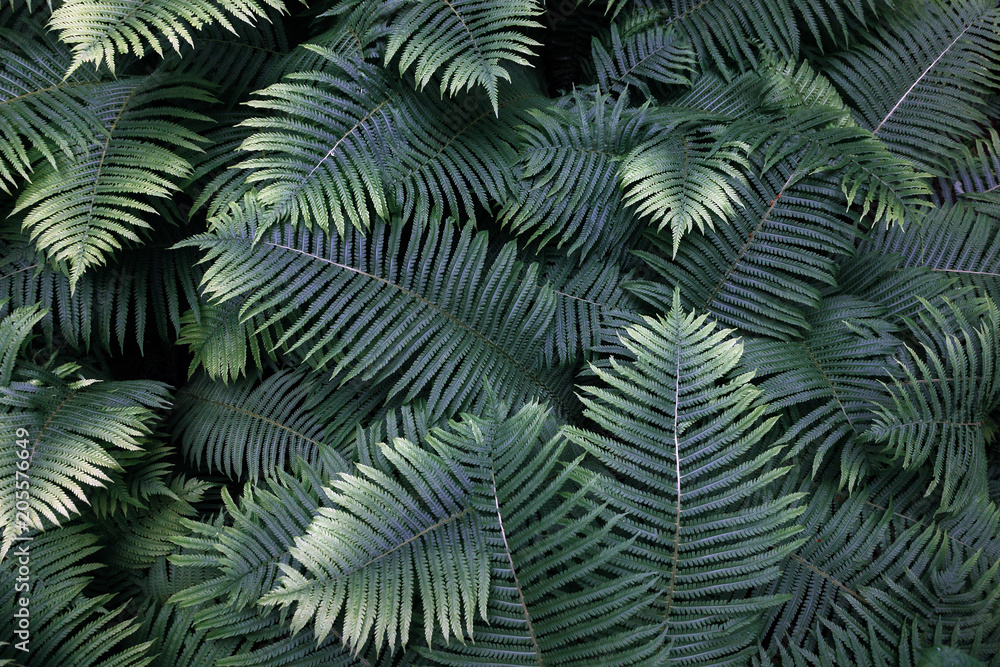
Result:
[[500, 332]]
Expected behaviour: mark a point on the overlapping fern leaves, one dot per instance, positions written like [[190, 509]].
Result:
[[500, 332]]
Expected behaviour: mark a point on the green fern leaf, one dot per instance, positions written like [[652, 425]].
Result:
[[680, 434], [481, 320], [918, 82], [99, 31], [80, 212]]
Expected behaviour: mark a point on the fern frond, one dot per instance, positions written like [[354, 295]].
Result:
[[835, 372], [682, 179], [99, 31], [462, 42], [659, 55], [918, 82], [368, 557], [82, 211], [680, 431], [243, 556], [146, 288], [67, 626], [140, 536], [956, 241], [480, 319], [588, 298], [15, 329], [883, 279], [330, 150], [69, 425], [222, 342], [568, 166], [855, 584], [250, 426], [724, 33], [762, 271], [940, 400], [549, 602], [39, 109]]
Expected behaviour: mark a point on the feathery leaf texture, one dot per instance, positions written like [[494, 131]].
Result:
[[500, 332], [678, 430], [70, 426], [99, 31], [77, 212], [336, 139], [451, 320]]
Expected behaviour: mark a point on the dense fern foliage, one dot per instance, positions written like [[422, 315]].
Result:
[[499, 332]]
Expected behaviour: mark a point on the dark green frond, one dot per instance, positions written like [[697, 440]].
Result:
[[918, 82], [146, 288], [681, 433], [874, 568], [568, 164], [588, 298], [763, 271], [940, 399], [657, 55], [66, 626], [441, 331], [251, 427], [835, 374]]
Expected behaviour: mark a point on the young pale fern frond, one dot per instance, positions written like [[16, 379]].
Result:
[[85, 209], [100, 31]]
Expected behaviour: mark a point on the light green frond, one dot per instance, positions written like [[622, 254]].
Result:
[[682, 179], [681, 435], [463, 43], [550, 600], [67, 428], [15, 329], [81, 211], [99, 31], [391, 541], [223, 342]]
